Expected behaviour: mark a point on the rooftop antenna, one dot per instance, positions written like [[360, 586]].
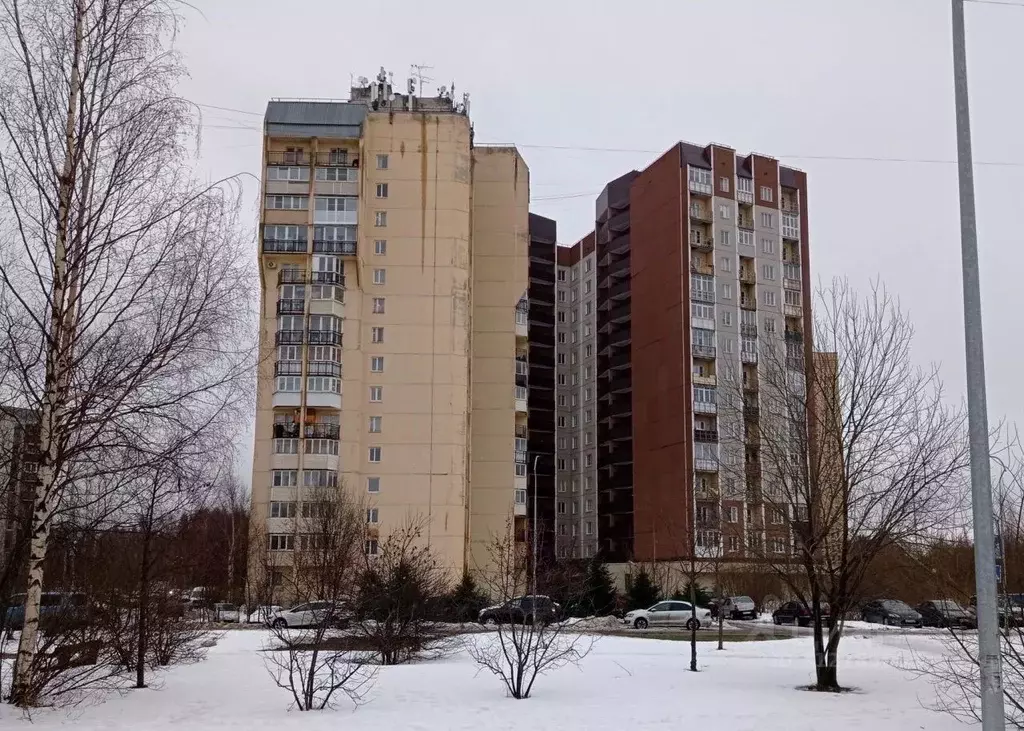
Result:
[[416, 71]]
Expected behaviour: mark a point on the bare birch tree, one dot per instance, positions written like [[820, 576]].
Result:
[[848, 452], [123, 282]]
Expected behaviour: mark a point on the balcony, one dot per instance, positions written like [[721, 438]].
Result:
[[289, 430], [792, 310], [286, 446], [522, 323], [700, 295], [748, 303], [328, 278], [337, 159], [325, 337], [794, 363], [702, 464], [703, 351], [287, 368], [285, 246], [520, 502], [745, 196], [705, 435], [747, 276], [750, 385], [324, 246], [699, 380], [520, 395], [748, 329], [701, 242], [751, 411], [291, 276], [794, 336], [702, 267], [705, 407], [522, 431], [322, 431], [748, 356], [290, 307], [702, 186], [700, 213], [288, 337], [291, 157], [793, 284], [324, 368], [745, 222]]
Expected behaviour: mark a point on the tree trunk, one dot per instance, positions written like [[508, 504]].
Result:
[[721, 623], [56, 378], [140, 665], [826, 658], [693, 615]]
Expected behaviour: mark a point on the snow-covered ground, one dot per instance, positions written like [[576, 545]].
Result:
[[626, 684]]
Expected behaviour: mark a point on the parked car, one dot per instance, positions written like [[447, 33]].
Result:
[[262, 614], [891, 612], [739, 607], [666, 613], [1011, 613], [53, 605], [799, 614], [224, 612], [525, 609], [312, 614], [945, 613]]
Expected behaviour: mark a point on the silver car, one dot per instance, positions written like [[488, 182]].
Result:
[[739, 607]]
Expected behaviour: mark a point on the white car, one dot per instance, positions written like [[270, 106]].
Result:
[[672, 612], [310, 614], [263, 614], [223, 612]]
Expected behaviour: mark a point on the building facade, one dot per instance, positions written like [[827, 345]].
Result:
[[697, 267], [393, 256]]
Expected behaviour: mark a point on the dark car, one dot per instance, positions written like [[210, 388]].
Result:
[[797, 613], [945, 613], [53, 606], [525, 609], [891, 612]]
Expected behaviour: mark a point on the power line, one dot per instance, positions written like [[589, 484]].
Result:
[[227, 109], [996, 2]]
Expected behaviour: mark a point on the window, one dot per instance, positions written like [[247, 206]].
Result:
[[561, 316], [335, 209], [768, 246], [284, 478], [377, 364], [282, 541], [380, 247], [561, 295], [746, 238], [373, 483], [288, 202], [586, 331], [375, 454], [767, 220], [588, 308], [734, 543], [288, 174], [382, 190], [727, 291], [769, 325], [726, 317], [726, 264], [588, 460], [323, 384], [588, 437], [574, 507], [380, 219], [561, 381], [703, 337], [586, 373], [561, 275], [561, 359], [734, 514], [288, 384], [729, 346], [375, 424], [376, 394], [379, 276], [371, 547], [792, 298], [699, 177], [377, 334], [587, 393], [337, 175], [776, 516], [723, 184], [378, 305], [766, 193], [573, 316], [724, 238], [724, 212], [561, 338], [768, 271], [282, 510], [588, 351], [561, 507], [587, 264], [769, 298], [382, 162], [702, 312]]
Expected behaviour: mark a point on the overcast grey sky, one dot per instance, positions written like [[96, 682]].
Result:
[[870, 78]]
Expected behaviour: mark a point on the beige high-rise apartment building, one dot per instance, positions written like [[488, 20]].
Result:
[[393, 254]]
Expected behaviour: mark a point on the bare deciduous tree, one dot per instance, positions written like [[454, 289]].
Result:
[[521, 651], [321, 574], [849, 450], [123, 282]]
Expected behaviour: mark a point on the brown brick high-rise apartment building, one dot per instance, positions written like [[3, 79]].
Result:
[[696, 265], [394, 262]]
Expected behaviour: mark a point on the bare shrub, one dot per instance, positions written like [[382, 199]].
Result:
[[529, 645], [321, 574]]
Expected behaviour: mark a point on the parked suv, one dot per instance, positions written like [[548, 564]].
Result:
[[739, 607], [53, 605], [526, 609], [946, 613]]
